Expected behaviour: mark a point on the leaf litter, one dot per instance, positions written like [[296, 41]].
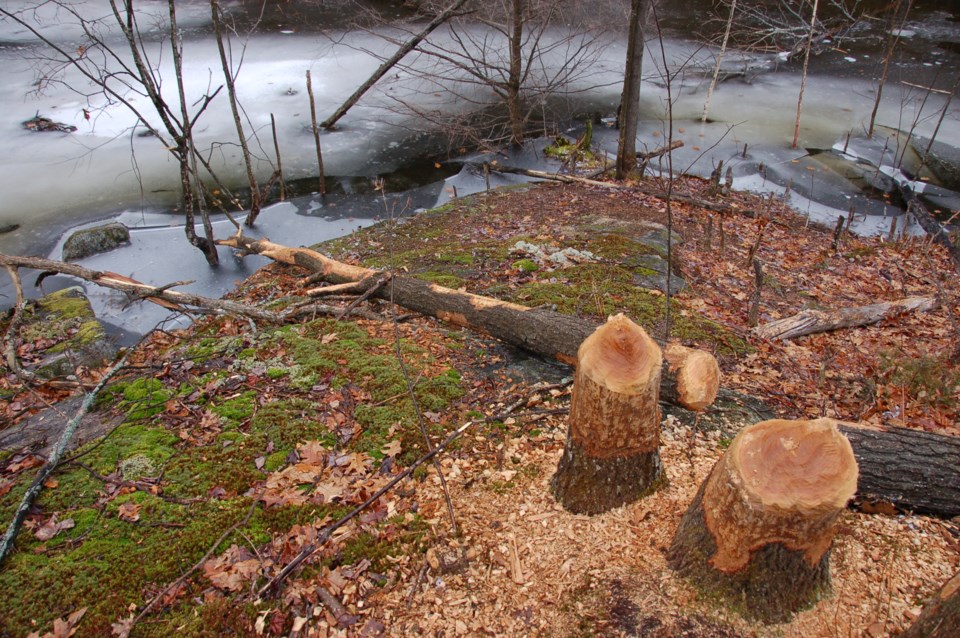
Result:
[[521, 565]]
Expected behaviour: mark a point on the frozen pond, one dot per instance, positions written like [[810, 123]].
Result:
[[108, 167]]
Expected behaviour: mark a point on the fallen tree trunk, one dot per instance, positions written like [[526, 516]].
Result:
[[612, 453], [541, 331], [929, 224], [912, 469], [759, 530], [813, 321], [161, 295]]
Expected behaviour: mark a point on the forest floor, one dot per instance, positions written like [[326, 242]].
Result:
[[231, 447]]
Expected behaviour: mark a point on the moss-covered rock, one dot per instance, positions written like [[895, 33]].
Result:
[[64, 333], [96, 240]]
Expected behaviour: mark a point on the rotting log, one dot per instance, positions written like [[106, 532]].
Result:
[[612, 453], [759, 531], [538, 330], [911, 469], [940, 617], [809, 322]]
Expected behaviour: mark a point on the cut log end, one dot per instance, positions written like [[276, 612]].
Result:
[[693, 376], [761, 527]]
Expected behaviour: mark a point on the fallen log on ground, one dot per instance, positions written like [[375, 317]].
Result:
[[813, 321], [541, 331], [760, 529], [911, 469], [930, 224], [161, 295], [612, 453]]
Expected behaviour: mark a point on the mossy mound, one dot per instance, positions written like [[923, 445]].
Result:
[[223, 411], [61, 333]]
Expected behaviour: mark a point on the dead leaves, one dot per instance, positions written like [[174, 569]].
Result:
[[62, 628], [129, 511], [233, 569], [321, 476], [52, 527]]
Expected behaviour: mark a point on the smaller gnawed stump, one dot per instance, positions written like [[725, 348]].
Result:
[[940, 617], [612, 454], [758, 532]]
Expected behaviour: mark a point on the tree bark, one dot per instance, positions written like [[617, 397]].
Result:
[[940, 617], [540, 331], [630, 99], [813, 321], [914, 470], [612, 454], [759, 531], [235, 110]]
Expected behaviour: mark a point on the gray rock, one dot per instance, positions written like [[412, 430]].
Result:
[[92, 241], [652, 274]]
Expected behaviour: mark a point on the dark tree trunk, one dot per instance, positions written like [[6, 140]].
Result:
[[940, 617], [630, 99], [912, 469]]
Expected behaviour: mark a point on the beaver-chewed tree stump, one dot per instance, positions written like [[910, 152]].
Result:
[[612, 454], [759, 531], [940, 617]]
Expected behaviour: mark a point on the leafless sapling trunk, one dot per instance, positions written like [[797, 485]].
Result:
[[228, 76], [630, 99]]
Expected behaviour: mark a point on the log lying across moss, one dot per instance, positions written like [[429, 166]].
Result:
[[759, 530], [612, 453], [690, 381]]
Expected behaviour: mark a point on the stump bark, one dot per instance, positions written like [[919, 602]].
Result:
[[940, 617], [612, 453], [759, 530]]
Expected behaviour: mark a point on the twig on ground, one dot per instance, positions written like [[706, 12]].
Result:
[[420, 422], [183, 577], [379, 283], [10, 339], [6, 545], [310, 548]]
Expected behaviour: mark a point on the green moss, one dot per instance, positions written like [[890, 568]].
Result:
[[236, 409], [111, 566], [525, 265], [143, 398], [600, 290], [68, 303], [441, 279]]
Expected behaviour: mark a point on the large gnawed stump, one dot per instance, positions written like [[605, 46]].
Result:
[[758, 532], [940, 617], [612, 454]]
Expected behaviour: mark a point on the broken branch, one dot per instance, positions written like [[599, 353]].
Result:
[[813, 321]]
